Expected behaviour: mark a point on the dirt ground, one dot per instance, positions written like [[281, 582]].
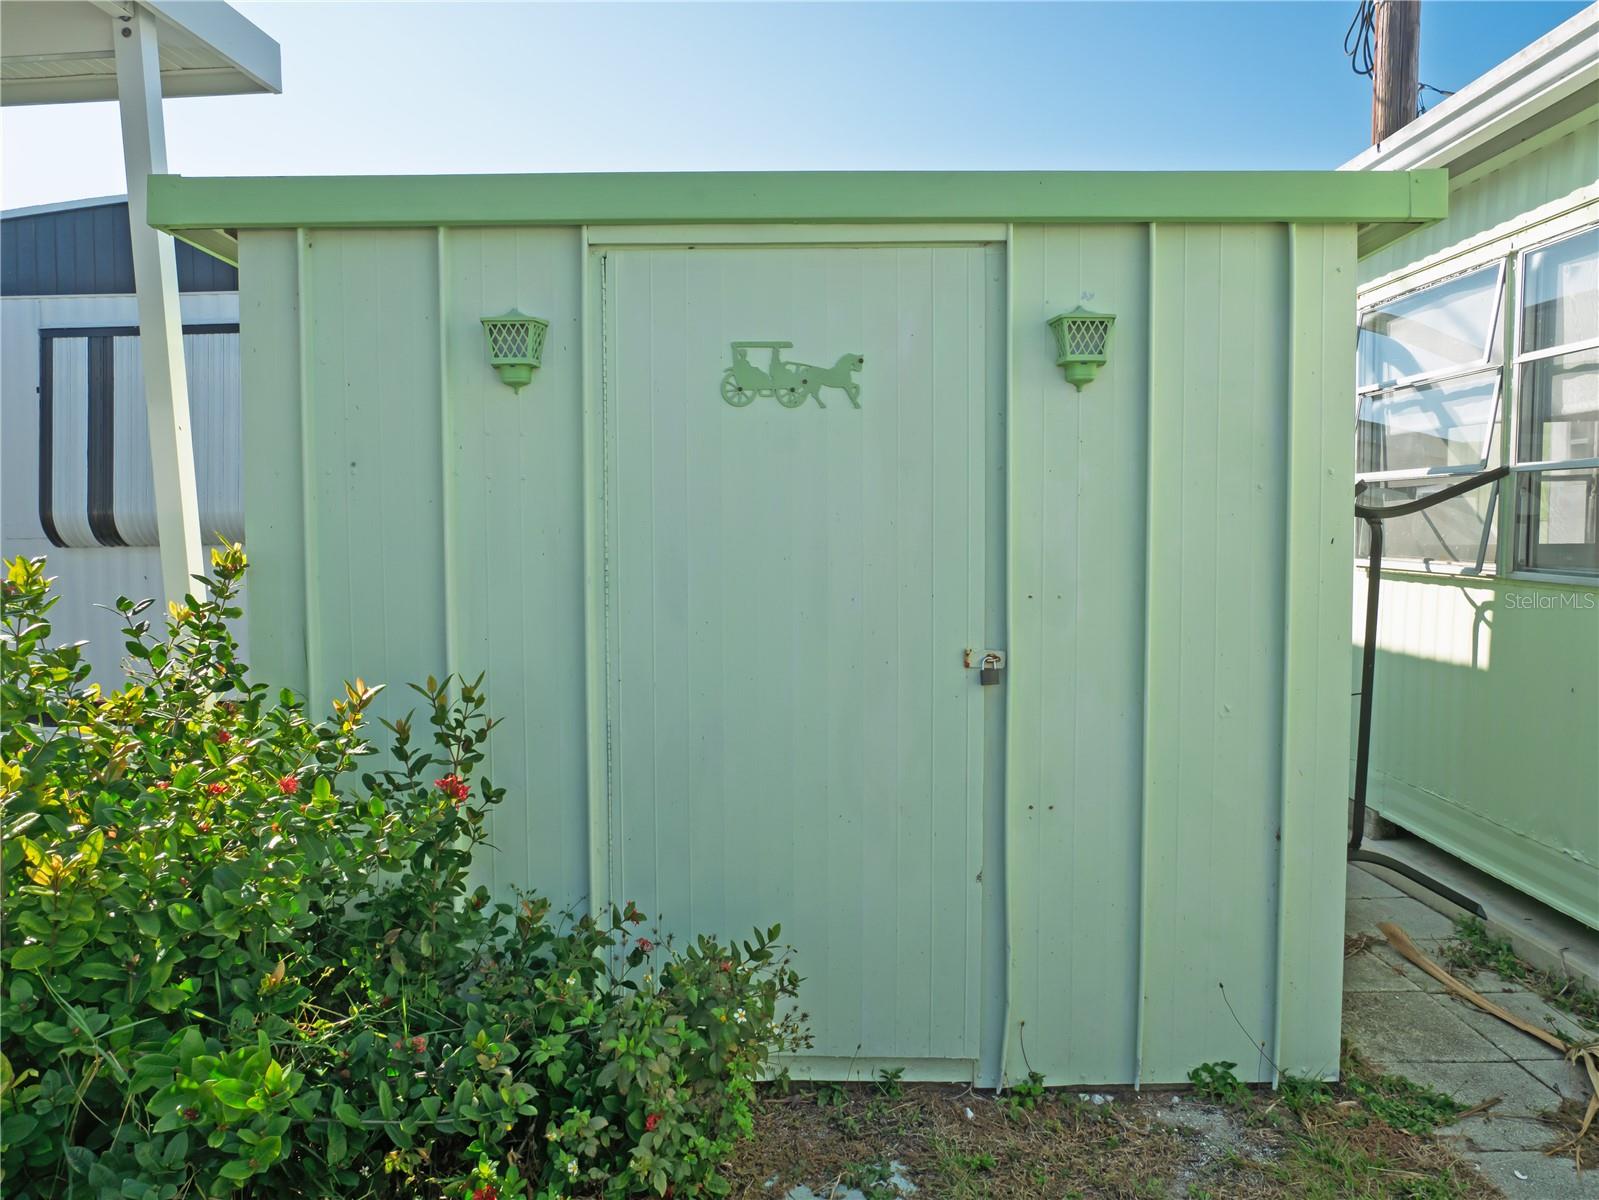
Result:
[[868, 1141]]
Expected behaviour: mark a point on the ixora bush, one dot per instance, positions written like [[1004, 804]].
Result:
[[235, 965]]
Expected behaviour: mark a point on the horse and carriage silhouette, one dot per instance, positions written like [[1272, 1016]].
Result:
[[790, 383]]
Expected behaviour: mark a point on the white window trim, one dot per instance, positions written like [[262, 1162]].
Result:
[[1512, 551], [1504, 244]]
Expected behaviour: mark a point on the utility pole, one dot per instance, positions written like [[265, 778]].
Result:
[[1396, 69]]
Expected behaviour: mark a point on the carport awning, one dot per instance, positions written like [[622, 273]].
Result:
[[61, 51]]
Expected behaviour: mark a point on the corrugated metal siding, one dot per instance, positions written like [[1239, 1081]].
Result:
[[87, 578], [89, 252], [1499, 197], [1151, 855], [1486, 720]]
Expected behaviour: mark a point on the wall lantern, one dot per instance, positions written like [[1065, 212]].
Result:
[[516, 342], [1082, 341]]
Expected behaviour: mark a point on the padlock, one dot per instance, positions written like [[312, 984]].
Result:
[[988, 673]]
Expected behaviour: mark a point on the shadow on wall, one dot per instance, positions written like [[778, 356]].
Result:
[[1484, 719]]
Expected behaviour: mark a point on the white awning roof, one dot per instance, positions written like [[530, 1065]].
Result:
[[60, 51]]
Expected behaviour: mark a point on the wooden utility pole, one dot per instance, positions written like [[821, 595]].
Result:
[[1396, 68]]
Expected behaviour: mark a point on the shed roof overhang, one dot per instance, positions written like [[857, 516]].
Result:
[[60, 51], [210, 211]]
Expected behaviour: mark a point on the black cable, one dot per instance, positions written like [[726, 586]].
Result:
[[1360, 39]]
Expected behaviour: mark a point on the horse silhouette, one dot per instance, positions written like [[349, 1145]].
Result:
[[812, 379]]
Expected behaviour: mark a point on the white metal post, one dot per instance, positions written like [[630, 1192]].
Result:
[[155, 276]]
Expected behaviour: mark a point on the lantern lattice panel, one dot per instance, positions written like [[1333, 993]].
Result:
[[1083, 337], [518, 339]]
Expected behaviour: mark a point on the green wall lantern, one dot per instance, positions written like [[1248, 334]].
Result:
[[516, 342], [1082, 342]]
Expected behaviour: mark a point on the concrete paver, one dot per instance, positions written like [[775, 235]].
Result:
[[1512, 1124], [1404, 1021], [1390, 1027], [1529, 1175], [1362, 914]]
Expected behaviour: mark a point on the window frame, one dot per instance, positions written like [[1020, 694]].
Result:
[[1505, 246], [1516, 540], [1492, 435]]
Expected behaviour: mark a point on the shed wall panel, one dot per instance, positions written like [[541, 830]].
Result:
[[1218, 487], [411, 516], [513, 470], [371, 410], [1076, 687]]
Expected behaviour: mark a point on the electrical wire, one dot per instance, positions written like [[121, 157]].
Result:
[[1361, 38], [1360, 47]]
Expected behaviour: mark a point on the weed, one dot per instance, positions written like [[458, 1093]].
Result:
[[890, 1082], [831, 1095], [874, 1180], [1473, 949], [1027, 1095], [1395, 1100], [1216, 1081]]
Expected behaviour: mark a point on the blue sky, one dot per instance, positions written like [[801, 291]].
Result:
[[670, 86]]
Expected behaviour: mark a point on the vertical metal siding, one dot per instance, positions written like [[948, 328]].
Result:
[[88, 252], [88, 578], [1170, 634], [514, 467], [371, 404], [796, 738], [1077, 513], [1214, 685]]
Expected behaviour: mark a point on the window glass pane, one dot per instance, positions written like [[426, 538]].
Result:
[[1560, 407], [1560, 292], [1558, 520], [1449, 324], [1422, 428], [1449, 534]]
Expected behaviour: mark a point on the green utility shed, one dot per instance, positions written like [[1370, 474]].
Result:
[[811, 590]]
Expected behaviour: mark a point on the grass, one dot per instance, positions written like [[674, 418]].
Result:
[[1366, 1138], [1473, 949]]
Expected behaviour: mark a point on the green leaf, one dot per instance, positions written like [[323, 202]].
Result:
[[184, 915], [31, 958], [385, 1100], [349, 1114], [338, 1146]]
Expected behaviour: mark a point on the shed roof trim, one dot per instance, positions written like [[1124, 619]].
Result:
[[186, 206]]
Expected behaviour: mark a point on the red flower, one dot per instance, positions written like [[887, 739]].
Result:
[[216, 789], [727, 965], [288, 785], [454, 787], [162, 784], [486, 1192], [651, 1121], [418, 1044], [646, 945], [191, 1114], [224, 737]]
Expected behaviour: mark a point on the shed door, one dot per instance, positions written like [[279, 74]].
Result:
[[797, 553]]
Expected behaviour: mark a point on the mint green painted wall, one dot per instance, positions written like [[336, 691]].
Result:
[[1163, 774], [1486, 719], [1487, 727]]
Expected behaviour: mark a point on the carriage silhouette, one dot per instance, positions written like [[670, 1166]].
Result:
[[790, 383]]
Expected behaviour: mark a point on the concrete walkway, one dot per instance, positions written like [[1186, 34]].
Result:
[[1403, 1020]]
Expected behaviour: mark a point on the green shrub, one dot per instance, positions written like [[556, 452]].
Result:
[[238, 965]]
